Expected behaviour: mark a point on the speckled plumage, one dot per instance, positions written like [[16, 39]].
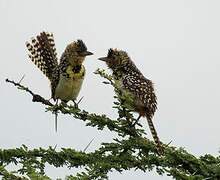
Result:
[[65, 85], [66, 78], [130, 79]]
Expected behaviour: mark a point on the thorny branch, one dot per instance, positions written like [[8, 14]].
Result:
[[79, 115], [175, 162], [36, 97]]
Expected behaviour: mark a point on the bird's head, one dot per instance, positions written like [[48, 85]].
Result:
[[76, 52], [116, 59]]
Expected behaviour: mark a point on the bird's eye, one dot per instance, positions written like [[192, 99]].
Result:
[[79, 52]]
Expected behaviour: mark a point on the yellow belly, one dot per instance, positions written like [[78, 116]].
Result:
[[68, 88]]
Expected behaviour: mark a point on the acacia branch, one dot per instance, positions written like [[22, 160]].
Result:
[[135, 151], [68, 109], [35, 97]]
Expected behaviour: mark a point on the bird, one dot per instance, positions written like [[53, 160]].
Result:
[[66, 77], [128, 78]]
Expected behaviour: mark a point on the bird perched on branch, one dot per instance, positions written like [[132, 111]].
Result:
[[129, 79], [66, 78]]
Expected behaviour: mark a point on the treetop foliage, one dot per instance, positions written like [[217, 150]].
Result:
[[130, 150]]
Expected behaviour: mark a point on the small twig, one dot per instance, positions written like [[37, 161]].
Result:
[[88, 145], [80, 100], [55, 147], [21, 78], [36, 97], [169, 143]]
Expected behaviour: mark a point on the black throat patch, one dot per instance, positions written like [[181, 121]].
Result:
[[76, 69]]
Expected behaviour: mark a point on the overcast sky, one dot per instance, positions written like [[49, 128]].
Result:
[[174, 43]]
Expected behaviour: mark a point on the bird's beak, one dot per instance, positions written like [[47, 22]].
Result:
[[103, 59], [86, 53]]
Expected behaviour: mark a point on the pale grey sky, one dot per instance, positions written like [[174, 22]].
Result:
[[174, 43]]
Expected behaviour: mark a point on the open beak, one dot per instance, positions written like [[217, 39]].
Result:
[[86, 53], [103, 59]]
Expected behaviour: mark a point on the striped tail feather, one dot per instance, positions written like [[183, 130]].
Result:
[[43, 53], [52, 43], [155, 137]]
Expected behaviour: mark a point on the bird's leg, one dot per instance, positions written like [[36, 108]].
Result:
[[76, 104]]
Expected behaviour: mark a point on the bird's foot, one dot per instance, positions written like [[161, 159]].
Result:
[[76, 104]]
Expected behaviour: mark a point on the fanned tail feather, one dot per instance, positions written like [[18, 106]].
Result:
[[43, 53]]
